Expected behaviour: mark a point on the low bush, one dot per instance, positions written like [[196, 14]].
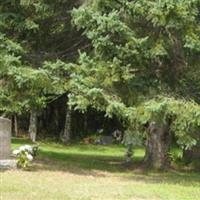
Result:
[[25, 155]]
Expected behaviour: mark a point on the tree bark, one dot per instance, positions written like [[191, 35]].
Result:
[[15, 131], [157, 146], [66, 137], [16, 126], [33, 126]]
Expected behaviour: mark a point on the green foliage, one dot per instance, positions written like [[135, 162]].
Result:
[[140, 49], [147, 39], [183, 117], [32, 32], [23, 88]]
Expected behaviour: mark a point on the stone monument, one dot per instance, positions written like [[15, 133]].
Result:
[[5, 144]]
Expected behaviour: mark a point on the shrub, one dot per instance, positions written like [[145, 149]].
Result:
[[25, 155]]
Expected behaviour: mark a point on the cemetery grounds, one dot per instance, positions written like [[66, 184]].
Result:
[[91, 172]]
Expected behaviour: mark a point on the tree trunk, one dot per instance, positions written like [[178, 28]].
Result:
[[16, 126], [157, 146], [66, 137], [85, 122], [33, 126]]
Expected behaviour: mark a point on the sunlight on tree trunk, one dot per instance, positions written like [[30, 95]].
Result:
[[16, 126], [33, 126], [66, 137]]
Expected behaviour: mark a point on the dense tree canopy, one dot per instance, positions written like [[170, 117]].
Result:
[[138, 61], [140, 46], [36, 32], [141, 49]]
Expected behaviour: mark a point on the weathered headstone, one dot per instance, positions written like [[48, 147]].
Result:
[[5, 144], [104, 140], [5, 137]]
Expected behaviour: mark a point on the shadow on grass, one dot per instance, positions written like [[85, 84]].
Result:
[[77, 158]]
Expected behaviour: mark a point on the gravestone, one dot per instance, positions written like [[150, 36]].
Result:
[[104, 140], [5, 135], [5, 144]]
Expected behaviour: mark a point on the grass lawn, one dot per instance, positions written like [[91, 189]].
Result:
[[88, 172]]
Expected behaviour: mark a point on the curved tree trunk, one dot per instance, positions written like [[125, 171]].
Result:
[[33, 126], [157, 146]]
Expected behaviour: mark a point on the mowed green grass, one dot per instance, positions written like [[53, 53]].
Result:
[[89, 172]]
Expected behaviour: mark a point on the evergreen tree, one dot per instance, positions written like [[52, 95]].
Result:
[[42, 31], [141, 49]]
